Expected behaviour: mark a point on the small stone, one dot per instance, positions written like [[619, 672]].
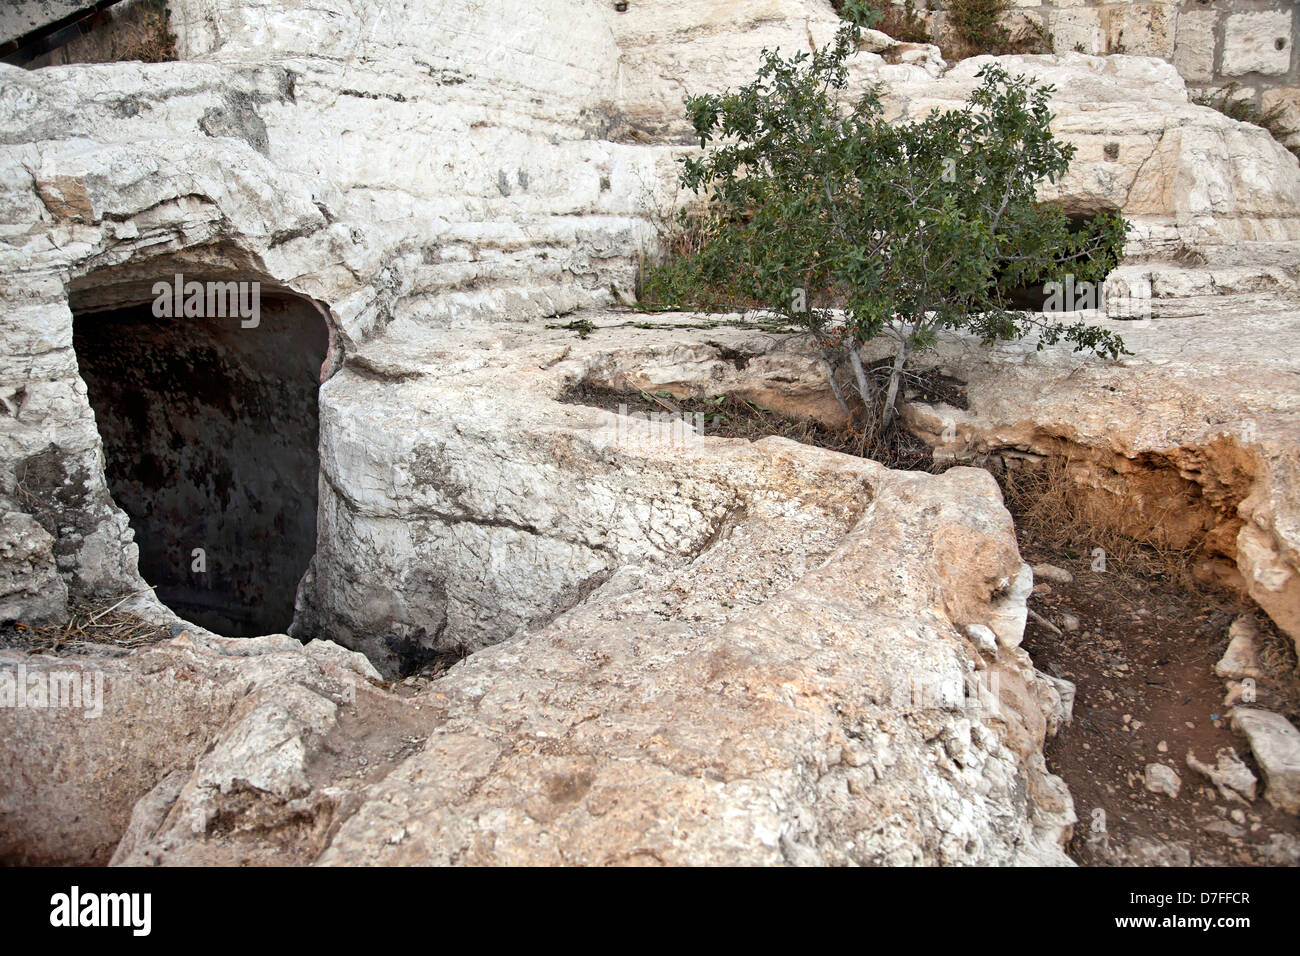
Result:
[[983, 637], [1237, 694], [1163, 747], [1229, 775], [1163, 779], [1056, 697], [1053, 574], [1008, 615], [1069, 622], [1224, 827], [1241, 660]]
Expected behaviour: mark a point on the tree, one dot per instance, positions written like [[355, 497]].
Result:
[[911, 228]]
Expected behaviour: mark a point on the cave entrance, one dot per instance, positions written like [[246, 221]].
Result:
[[210, 447], [1038, 297]]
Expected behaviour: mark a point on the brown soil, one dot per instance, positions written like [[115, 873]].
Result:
[[1143, 663]]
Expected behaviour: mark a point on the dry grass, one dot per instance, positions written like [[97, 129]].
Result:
[[679, 233], [902, 23], [146, 36], [1051, 508], [679, 237], [1277, 653], [685, 234], [100, 623], [1278, 661]]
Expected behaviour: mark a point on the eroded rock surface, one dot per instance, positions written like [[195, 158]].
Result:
[[1191, 441], [454, 163], [710, 652], [770, 663], [796, 688], [1276, 745], [88, 736], [31, 589]]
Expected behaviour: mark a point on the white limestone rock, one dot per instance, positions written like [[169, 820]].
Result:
[[1251, 43], [31, 590], [1230, 776], [1276, 746], [1241, 659], [1161, 778]]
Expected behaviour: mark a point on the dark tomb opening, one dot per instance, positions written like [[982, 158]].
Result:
[[210, 446], [1037, 297]]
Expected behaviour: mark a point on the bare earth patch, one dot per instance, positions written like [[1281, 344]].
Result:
[[728, 416], [1143, 662]]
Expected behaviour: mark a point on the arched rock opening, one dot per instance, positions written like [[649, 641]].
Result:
[[1068, 296], [210, 429]]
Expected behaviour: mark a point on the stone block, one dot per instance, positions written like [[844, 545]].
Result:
[[1073, 29], [1258, 43], [1194, 45]]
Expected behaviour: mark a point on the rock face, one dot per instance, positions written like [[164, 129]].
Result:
[[1190, 441], [1191, 180], [790, 691], [76, 766], [689, 650], [1160, 778], [1276, 746], [676, 748], [294, 171], [309, 169], [30, 587], [769, 664]]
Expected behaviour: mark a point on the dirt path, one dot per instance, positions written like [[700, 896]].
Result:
[[1143, 661]]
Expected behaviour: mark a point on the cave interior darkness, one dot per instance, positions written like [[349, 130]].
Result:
[[210, 433]]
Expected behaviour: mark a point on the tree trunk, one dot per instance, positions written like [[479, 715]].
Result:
[[864, 386], [895, 377], [835, 389]]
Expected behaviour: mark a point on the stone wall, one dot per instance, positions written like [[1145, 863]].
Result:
[[1212, 42], [1249, 44]]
